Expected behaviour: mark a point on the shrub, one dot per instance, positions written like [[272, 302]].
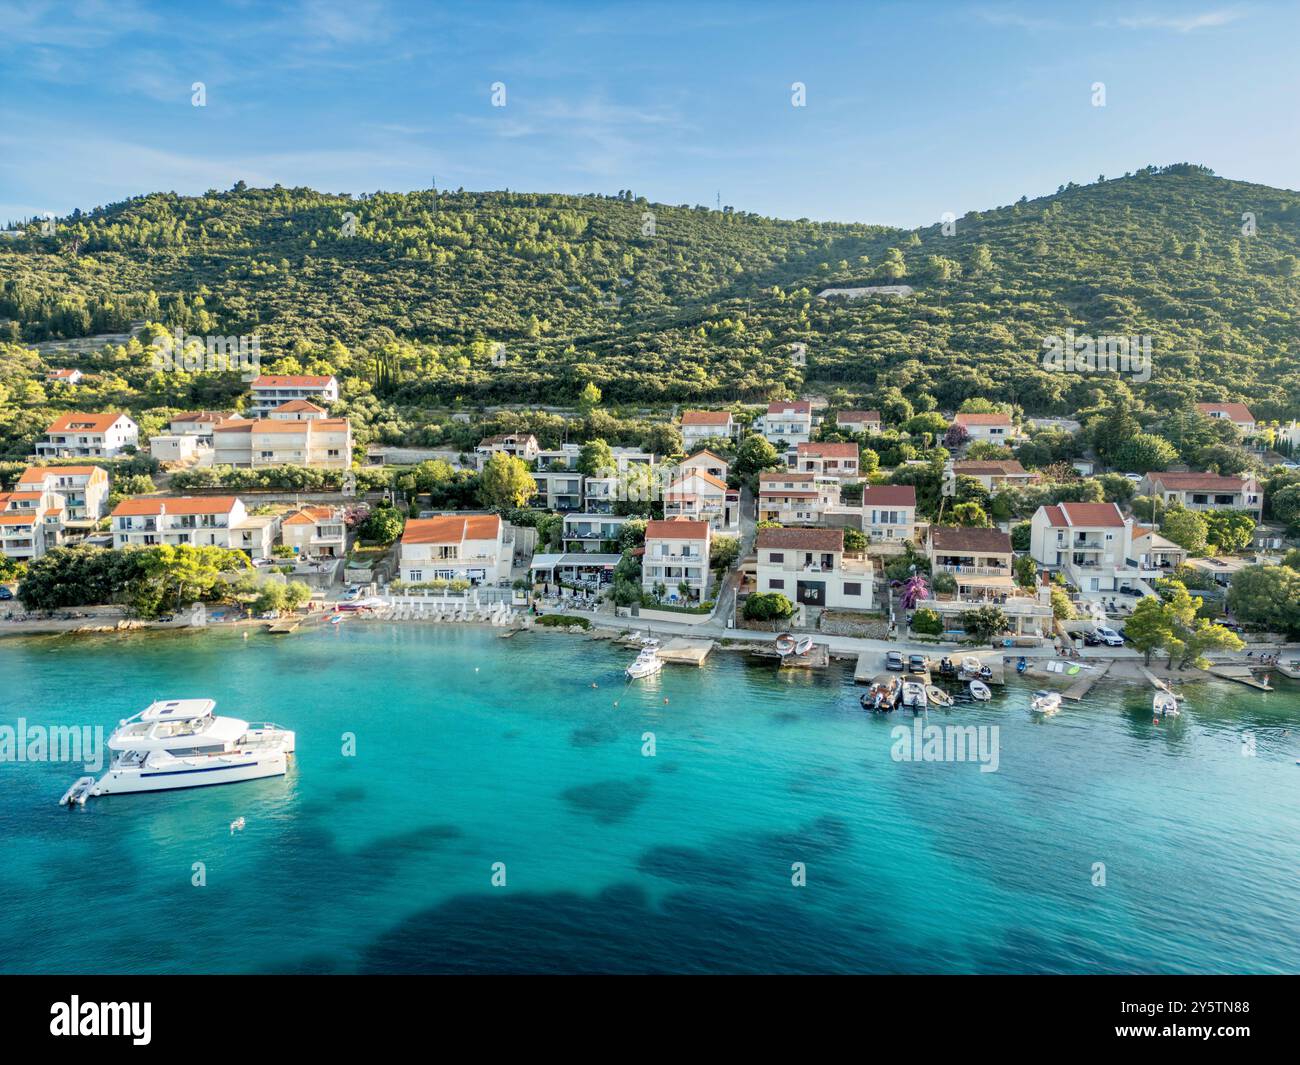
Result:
[[927, 622]]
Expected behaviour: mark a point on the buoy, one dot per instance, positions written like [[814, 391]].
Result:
[[236, 825]]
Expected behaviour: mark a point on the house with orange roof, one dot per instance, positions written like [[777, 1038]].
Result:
[[1207, 491], [994, 428], [706, 462], [82, 490], [315, 532], [676, 557], [829, 460], [273, 390], [1237, 413], [809, 567], [324, 443], [787, 423], [31, 522], [700, 496], [297, 410], [1090, 543], [200, 521], [88, 436], [795, 497], [450, 547], [859, 421], [64, 377], [700, 425]]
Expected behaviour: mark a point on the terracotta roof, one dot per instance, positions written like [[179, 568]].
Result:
[[828, 450], [200, 416], [706, 417], [292, 405], [858, 416], [960, 538], [802, 539], [798, 476], [508, 438], [704, 452], [1237, 412], [452, 529], [1204, 482], [89, 423], [889, 495], [677, 529], [796, 406], [997, 418], [291, 381], [1088, 515], [38, 474], [999, 467], [56, 374], [153, 505], [28, 518], [309, 515], [707, 478]]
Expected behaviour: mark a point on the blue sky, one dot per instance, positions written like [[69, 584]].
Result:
[[913, 109]]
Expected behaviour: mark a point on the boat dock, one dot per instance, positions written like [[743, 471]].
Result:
[[686, 652], [1241, 674], [818, 656], [1084, 682], [284, 625]]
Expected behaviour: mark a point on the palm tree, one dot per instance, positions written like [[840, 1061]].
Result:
[[915, 588]]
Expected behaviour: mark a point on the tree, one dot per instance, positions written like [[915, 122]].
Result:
[[723, 552], [1150, 627], [507, 483], [1229, 532], [755, 454], [1142, 453], [1026, 571], [1062, 608], [927, 622], [1205, 636], [271, 596], [382, 526], [971, 514], [297, 594], [588, 398], [1268, 596], [1186, 528], [596, 456], [663, 440], [768, 606], [855, 541], [984, 623]]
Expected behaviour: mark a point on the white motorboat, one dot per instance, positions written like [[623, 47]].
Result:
[[937, 695], [979, 690], [647, 663], [181, 743], [1165, 704], [804, 645], [1045, 702], [914, 695], [785, 644]]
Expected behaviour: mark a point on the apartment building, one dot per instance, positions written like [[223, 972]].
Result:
[[558, 490], [700, 425], [980, 559], [201, 521], [324, 443], [793, 497], [88, 436], [297, 410], [829, 460], [705, 461], [676, 553], [1207, 491], [591, 532], [787, 424], [468, 547], [519, 445], [31, 522], [1091, 543], [272, 390], [700, 496], [82, 490], [808, 567], [315, 532], [889, 513]]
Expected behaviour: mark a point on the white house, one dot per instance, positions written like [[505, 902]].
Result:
[[787, 424], [793, 497], [1237, 413], [702, 497], [201, 521], [520, 445], [559, 490], [1207, 491], [198, 423], [994, 473], [590, 532], [31, 522], [82, 490], [889, 512], [859, 421], [88, 436], [64, 377], [271, 390], [297, 410], [829, 460], [1091, 543], [701, 425], [324, 443], [469, 547], [705, 461], [676, 553], [995, 428], [315, 532], [808, 566]]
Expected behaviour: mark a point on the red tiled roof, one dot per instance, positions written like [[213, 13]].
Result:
[[677, 529], [889, 495], [802, 539], [1236, 412], [38, 474], [1087, 515], [293, 405], [153, 505], [960, 538], [796, 406], [997, 467], [828, 450], [89, 423], [706, 417], [451, 529], [858, 416], [997, 418], [1203, 482], [291, 381]]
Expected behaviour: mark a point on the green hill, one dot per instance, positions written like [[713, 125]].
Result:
[[655, 303]]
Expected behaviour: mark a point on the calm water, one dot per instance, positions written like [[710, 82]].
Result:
[[620, 862]]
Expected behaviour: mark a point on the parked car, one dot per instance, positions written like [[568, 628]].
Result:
[[1091, 638], [5, 593], [894, 661], [917, 663], [350, 594], [1109, 636]]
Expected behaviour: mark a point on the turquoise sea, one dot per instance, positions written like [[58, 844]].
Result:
[[471, 750]]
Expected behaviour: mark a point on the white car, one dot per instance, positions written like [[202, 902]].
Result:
[[1108, 636]]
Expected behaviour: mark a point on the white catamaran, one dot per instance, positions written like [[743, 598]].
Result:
[[180, 743]]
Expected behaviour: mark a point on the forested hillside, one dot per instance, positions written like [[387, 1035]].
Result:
[[408, 295]]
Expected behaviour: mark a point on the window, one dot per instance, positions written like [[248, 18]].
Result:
[[417, 575], [776, 582], [776, 556], [853, 588]]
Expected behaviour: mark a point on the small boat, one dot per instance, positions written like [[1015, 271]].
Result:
[[1045, 702], [946, 668], [785, 644], [647, 663], [78, 793], [938, 696], [1165, 704], [971, 666], [335, 619], [804, 645], [1022, 665], [914, 696], [881, 698], [979, 690]]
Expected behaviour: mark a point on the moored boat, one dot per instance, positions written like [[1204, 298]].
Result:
[[1045, 702], [914, 696], [647, 663], [979, 690], [938, 696], [785, 643], [1165, 704]]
